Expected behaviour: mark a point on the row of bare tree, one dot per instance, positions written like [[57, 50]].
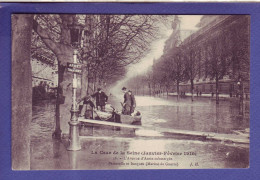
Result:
[[222, 51], [108, 45]]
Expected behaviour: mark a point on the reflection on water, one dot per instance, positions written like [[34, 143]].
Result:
[[200, 115]]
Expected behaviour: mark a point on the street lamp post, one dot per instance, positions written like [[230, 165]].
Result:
[[74, 142]]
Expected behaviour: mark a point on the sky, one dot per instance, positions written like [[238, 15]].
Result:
[[188, 25], [189, 22]]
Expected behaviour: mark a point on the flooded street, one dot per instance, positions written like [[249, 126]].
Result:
[[201, 115], [110, 148]]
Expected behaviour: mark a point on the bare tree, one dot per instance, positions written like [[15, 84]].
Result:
[[119, 40], [175, 67], [110, 42], [190, 55], [240, 39]]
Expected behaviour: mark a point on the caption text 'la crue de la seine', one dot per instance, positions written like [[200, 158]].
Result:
[[145, 158]]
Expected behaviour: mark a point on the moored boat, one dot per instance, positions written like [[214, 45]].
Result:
[[111, 115], [119, 117], [126, 119]]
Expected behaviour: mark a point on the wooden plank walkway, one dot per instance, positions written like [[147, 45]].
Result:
[[109, 123], [207, 135]]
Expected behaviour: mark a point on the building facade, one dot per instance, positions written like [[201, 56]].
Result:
[[219, 53], [44, 72]]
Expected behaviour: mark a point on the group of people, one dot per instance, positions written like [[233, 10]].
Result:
[[128, 105], [88, 105]]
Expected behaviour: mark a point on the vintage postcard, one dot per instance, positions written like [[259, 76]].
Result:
[[122, 91]]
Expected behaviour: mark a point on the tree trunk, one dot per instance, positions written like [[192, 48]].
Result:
[[21, 90], [153, 91], [149, 86], [178, 89], [217, 91], [192, 89], [66, 86], [84, 82], [57, 132]]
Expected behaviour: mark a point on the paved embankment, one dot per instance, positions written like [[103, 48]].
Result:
[[235, 138]]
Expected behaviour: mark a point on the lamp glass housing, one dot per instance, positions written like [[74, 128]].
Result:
[[75, 35]]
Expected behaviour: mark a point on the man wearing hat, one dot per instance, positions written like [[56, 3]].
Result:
[[133, 102], [101, 99], [127, 102]]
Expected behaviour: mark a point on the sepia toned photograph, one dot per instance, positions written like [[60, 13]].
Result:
[[110, 91]]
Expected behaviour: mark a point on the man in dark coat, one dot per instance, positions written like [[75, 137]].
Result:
[[133, 102], [127, 102], [101, 99]]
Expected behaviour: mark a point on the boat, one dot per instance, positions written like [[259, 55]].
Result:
[[112, 115], [118, 117], [126, 119]]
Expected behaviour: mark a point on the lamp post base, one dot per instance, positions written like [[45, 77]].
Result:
[[74, 142], [57, 134]]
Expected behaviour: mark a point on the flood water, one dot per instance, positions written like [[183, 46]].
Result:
[[113, 148]]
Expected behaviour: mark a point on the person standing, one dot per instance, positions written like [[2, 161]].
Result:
[[133, 102], [101, 99], [127, 102]]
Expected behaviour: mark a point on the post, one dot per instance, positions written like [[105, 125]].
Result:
[[74, 143], [57, 132]]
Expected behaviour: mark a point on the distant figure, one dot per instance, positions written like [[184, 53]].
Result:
[[133, 102], [88, 107], [230, 94], [200, 93], [212, 94], [127, 102], [101, 99]]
